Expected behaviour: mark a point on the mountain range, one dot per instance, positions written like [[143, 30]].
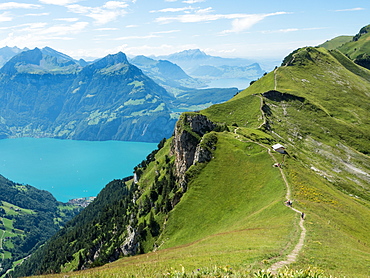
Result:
[[45, 93], [275, 179], [207, 68]]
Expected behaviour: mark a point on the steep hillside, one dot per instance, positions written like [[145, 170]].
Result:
[[211, 203], [357, 48], [28, 217]]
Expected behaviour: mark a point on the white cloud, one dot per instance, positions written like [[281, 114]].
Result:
[[14, 5], [247, 21], [5, 17], [39, 14], [59, 2], [199, 15], [115, 5], [163, 49], [106, 29], [67, 19], [350, 10], [110, 11], [240, 22], [150, 36], [192, 1], [288, 30], [30, 27], [63, 29], [173, 10], [41, 33], [166, 32], [280, 31]]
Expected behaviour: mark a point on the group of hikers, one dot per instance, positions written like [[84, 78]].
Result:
[[289, 203]]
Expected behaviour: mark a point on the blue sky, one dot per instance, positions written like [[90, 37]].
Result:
[[234, 28]]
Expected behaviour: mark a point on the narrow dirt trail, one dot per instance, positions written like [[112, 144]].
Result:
[[275, 82], [292, 256]]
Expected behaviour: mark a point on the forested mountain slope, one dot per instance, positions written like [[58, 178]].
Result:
[[28, 217], [211, 201]]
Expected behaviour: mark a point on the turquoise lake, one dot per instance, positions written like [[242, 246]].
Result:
[[67, 168]]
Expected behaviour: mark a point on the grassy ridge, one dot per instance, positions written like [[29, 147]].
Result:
[[336, 42], [232, 215], [222, 220], [359, 46], [333, 89]]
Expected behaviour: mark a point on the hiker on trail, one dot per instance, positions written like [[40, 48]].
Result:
[[302, 215], [289, 203]]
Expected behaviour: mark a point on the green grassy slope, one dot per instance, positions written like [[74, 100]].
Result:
[[328, 131], [233, 216], [336, 42], [357, 48], [359, 45]]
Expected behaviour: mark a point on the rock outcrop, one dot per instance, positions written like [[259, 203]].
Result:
[[130, 246], [187, 146]]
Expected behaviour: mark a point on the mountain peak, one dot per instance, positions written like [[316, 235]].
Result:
[[30, 57], [189, 54], [40, 61], [51, 52], [111, 59], [141, 60]]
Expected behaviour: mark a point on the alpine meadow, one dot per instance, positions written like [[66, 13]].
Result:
[[274, 182]]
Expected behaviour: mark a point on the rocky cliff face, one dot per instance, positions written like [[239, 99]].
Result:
[[186, 146]]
